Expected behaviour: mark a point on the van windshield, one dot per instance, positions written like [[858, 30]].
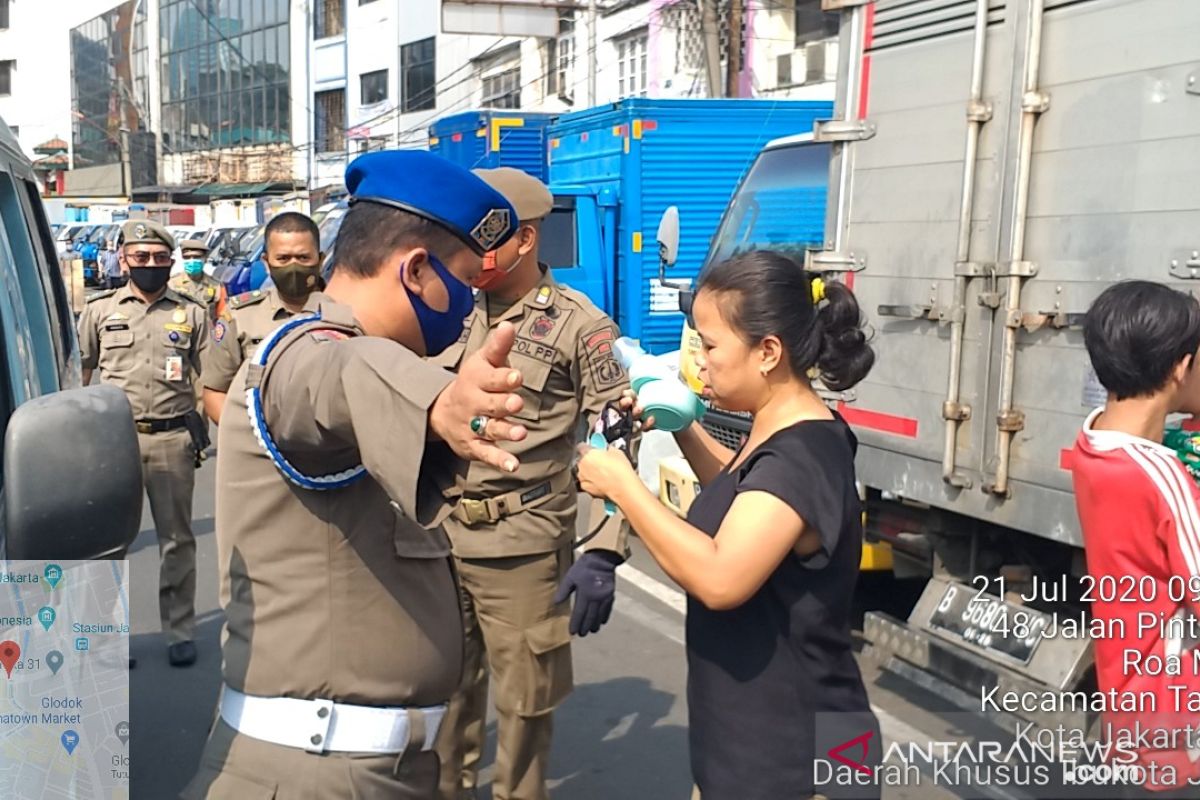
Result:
[[780, 204]]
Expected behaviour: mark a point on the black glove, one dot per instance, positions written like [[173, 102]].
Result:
[[593, 578]]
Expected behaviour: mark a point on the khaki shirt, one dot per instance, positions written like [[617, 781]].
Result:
[[152, 352], [208, 292], [569, 371], [253, 316], [346, 594]]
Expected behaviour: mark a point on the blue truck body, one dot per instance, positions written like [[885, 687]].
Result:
[[616, 169], [494, 138]]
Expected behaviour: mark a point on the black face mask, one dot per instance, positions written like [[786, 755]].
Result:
[[150, 279]]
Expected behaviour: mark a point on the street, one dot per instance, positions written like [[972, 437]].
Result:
[[621, 734]]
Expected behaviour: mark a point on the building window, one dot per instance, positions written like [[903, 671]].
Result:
[[813, 24], [560, 59], [328, 19], [631, 65], [330, 122], [6, 71], [503, 89], [226, 76], [418, 69], [499, 77], [3, 15], [374, 88]]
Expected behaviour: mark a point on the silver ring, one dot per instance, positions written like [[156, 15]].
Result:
[[479, 425]]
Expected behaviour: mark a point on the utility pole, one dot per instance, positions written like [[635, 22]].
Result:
[[712, 45], [733, 75], [593, 18]]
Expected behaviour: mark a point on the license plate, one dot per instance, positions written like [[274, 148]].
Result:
[[989, 622]]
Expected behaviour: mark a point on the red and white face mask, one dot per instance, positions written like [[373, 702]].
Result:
[[493, 273]]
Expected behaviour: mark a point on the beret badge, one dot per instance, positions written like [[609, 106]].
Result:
[[492, 228]]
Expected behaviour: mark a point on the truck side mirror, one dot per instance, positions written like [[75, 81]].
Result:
[[78, 502], [668, 239]]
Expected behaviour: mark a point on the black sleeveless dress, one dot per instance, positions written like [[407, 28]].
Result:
[[773, 684]]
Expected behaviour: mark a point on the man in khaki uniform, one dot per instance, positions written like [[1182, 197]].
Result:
[[192, 282], [343, 636], [150, 341], [513, 534], [293, 256]]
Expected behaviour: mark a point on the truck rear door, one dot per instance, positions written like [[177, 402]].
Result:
[[981, 256]]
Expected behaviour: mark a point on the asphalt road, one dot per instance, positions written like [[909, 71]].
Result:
[[621, 734]]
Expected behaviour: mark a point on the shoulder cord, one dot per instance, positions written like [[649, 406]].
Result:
[[258, 421]]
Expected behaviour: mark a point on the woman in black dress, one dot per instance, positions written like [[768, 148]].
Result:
[[769, 552]]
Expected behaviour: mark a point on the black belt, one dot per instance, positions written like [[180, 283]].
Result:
[[161, 425]]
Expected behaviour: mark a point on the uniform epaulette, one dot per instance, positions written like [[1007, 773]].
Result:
[[102, 295], [247, 299], [190, 298], [581, 301]]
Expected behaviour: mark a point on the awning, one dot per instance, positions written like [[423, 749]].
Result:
[[242, 189]]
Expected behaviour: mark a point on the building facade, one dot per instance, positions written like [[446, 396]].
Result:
[[383, 70], [247, 96]]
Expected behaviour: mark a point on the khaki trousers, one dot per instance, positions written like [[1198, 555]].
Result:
[[237, 767], [169, 475], [514, 630]]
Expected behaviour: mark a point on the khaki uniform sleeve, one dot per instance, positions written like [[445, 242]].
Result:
[[200, 345], [224, 357], [601, 379], [89, 337], [374, 395]]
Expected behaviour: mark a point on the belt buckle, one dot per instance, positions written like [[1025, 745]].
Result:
[[144, 427], [475, 510]]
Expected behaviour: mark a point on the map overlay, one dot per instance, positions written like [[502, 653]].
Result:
[[64, 680]]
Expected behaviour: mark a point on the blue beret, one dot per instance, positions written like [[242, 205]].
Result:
[[441, 191]]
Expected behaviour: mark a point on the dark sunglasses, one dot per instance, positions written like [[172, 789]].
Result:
[[141, 258]]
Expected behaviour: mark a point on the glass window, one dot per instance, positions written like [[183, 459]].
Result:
[[631, 65], [328, 19], [330, 122], [418, 73], [6, 71], [501, 83], [780, 204], [373, 87], [225, 72], [812, 24], [4, 15]]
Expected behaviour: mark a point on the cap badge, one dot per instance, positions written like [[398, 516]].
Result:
[[139, 231], [492, 228]]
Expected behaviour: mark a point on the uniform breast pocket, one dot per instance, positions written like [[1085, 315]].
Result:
[[113, 340], [175, 340], [534, 375]]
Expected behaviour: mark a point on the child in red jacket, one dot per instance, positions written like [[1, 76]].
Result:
[[1139, 511]]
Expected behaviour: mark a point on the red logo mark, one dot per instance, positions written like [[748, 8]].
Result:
[[861, 740]]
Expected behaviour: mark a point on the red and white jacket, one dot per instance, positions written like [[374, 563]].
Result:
[[1139, 511]]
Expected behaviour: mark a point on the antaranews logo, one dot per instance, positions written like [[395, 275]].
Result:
[[859, 745]]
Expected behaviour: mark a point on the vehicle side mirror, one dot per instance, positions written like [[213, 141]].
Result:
[[668, 238], [82, 501]]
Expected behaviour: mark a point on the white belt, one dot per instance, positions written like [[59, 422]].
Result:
[[320, 726]]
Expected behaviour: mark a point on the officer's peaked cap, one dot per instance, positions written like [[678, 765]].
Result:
[[429, 186], [144, 231]]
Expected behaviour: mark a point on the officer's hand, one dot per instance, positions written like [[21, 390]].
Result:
[[484, 387], [593, 579]]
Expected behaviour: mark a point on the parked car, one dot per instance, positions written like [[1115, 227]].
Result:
[[56, 503]]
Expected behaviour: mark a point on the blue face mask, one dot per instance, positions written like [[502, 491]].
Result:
[[194, 267], [440, 329]]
